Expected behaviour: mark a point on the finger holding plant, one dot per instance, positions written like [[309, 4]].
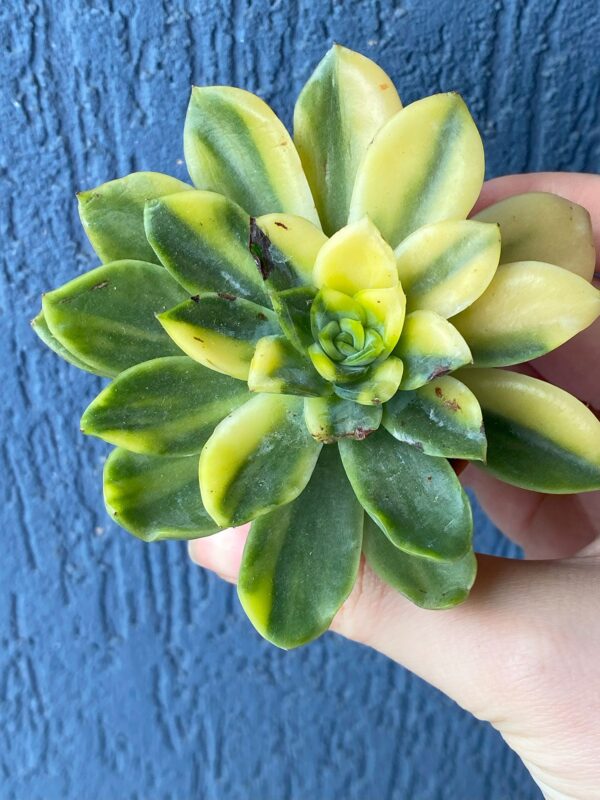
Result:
[[306, 338]]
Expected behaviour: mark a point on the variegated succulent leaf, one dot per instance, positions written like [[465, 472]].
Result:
[[308, 338]]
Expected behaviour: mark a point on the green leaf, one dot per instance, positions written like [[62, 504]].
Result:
[[539, 436], [202, 239], [156, 498], [300, 561], [539, 226], [219, 330], [429, 347], [168, 406], [285, 248], [379, 383], [343, 104], [113, 214], [415, 499], [428, 583], [40, 327], [235, 144], [292, 307], [331, 418], [278, 367], [444, 267], [442, 418], [528, 309], [261, 456], [425, 165], [106, 317]]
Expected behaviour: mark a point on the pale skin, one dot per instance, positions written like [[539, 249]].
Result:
[[523, 652]]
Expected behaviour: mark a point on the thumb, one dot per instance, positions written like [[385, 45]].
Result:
[[480, 653]]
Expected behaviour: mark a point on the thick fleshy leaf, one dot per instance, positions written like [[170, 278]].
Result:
[[113, 214], [528, 309], [380, 383], [415, 499], [428, 583], [292, 307], [425, 165], [300, 561], [343, 104], [539, 436], [539, 226], [234, 144], [202, 239], [429, 347], [106, 317], [260, 457], [168, 406], [278, 367], [154, 497], [40, 326], [285, 248], [355, 258], [219, 330], [442, 418], [330, 419], [445, 266]]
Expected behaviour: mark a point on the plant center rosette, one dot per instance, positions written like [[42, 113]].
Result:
[[307, 337]]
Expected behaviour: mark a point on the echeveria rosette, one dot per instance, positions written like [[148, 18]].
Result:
[[308, 337]]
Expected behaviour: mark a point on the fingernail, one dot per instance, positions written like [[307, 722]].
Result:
[[221, 553]]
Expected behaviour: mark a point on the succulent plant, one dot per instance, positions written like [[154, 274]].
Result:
[[313, 335]]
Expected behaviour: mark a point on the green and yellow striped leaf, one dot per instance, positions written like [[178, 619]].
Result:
[[219, 330], [285, 248], [442, 418], [330, 419], [425, 165], [539, 436], [415, 499], [427, 583], [106, 317], [234, 144], [167, 406], [539, 226], [261, 456], [40, 326], [154, 497], [279, 368], [380, 383], [355, 258], [528, 309], [300, 561], [202, 239], [429, 347], [112, 214], [343, 104], [445, 266]]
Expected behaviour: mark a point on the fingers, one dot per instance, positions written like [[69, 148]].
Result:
[[545, 526], [221, 553], [579, 187], [489, 652]]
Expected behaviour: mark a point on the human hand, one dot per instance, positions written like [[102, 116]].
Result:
[[523, 651]]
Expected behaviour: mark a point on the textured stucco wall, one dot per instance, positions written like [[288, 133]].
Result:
[[125, 672]]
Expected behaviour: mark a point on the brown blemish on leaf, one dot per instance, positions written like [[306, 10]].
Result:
[[262, 316], [384, 86], [101, 285], [259, 245], [451, 404], [195, 298], [227, 296], [198, 339], [282, 225]]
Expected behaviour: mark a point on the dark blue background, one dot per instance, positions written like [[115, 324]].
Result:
[[125, 672]]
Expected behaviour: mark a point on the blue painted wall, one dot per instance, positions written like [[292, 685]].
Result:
[[125, 672]]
